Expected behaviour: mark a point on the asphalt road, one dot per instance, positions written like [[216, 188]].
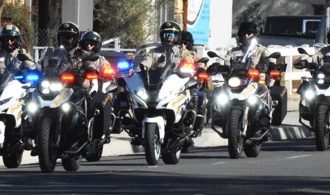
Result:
[[282, 167]]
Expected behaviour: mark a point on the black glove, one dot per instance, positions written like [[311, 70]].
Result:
[[262, 67]]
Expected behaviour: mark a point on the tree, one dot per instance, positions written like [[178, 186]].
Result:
[[251, 14], [19, 16], [127, 20], [1, 8]]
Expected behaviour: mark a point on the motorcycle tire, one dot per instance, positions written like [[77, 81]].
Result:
[[13, 158], [280, 110], [47, 146], [171, 157], [71, 163], [93, 156], [252, 150], [152, 144], [235, 137], [322, 123], [187, 145]]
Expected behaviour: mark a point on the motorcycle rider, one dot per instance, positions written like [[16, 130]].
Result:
[[10, 39], [68, 34], [322, 54], [168, 53], [320, 57], [90, 43], [246, 32]]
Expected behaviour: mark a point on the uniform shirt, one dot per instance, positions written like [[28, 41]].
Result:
[[321, 56], [257, 55], [97, 64], [158, 57], [10, 62]]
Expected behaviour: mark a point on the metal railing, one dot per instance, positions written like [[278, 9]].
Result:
[[289, 53]]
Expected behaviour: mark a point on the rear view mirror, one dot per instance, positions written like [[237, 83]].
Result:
[[302, 51], [212, 54], [275, 55], [203, 60]]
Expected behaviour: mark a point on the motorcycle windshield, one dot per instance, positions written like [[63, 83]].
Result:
[[56, 62], [5, 78], [154, 78]]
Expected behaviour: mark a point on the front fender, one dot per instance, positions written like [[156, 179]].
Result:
[[160, 124]]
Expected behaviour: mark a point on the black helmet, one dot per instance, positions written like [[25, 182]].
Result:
[[68, 29], [187, 39], [91, 36], [170, 29], [247, 27], [10, 32]]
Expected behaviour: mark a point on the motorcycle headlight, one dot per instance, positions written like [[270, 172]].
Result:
[[32, 107], [45, 84], [47, 87], [222, 99], [66, 107], [320, 78], [320, 75], [234, 82], [55, 87], [252, 100], [309, 94]]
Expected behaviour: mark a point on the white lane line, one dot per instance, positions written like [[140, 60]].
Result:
[[300, 156], [154, 166], [219, 163]]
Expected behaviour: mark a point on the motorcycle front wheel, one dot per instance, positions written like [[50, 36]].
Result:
[[322, 126], [252, 150], [235, 137], [47, 146], [12, 158], [94, 153], [171, 157], [152, 144]]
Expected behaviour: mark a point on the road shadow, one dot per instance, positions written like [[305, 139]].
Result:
[[153, 182], [307, 144]]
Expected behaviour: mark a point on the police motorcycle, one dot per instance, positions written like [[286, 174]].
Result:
[[103, 119], [14, 87], [59, 115], [239, 105], [158, 109], [314, 104]]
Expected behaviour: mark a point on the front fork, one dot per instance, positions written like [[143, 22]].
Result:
[[245, 120]]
